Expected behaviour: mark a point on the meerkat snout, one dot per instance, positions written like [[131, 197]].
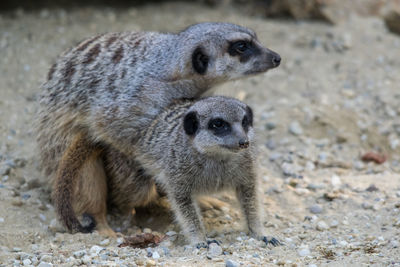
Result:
[[244, 143]]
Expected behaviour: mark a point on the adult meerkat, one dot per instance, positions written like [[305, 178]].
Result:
[[194, 148], [101, 95]]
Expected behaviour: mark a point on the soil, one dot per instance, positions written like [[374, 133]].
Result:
[[334, 98]]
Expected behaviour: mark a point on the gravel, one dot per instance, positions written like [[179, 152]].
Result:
[[329, 102]]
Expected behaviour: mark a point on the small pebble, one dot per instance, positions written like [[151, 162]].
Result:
[[105, 242], [334, 224], [150, 263], [45, 264], [316, 209], [79, 253], [231, 263], [335, 181], [321, 226], [26, 262], [295, 128], [147, 231], [156, 255], [214, 250], [95, 249], [304, 252], [1, 220]]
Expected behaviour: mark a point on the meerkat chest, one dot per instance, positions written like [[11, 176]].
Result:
[[216, 176]]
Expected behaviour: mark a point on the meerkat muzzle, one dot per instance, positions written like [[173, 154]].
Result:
[[243, 143]]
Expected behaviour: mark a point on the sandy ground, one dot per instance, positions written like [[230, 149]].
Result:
[[334, 97]]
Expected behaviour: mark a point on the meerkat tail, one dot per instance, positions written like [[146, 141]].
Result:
[[67, 174]]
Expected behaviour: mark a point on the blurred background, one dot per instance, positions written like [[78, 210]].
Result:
[[327, 120]]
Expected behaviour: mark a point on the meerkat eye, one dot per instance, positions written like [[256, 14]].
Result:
[[219, 126], [238, 47]]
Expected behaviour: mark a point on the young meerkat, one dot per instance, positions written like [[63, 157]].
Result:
[[195, 148], [101, 95]]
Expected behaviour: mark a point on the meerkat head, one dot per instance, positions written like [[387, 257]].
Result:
[[219, 126], [223, 51]]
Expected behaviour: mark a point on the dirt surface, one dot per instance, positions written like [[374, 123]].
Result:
[[335, 97]]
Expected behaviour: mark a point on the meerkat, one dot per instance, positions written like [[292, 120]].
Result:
[[101, 95], [195, 148]]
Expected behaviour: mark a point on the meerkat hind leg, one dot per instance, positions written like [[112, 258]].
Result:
[[92, 193]]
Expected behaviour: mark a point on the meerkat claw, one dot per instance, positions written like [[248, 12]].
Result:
[[202, 245], [271, 240], [209, 241]]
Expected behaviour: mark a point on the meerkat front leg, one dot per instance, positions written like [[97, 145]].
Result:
[[187, 213], [247, 196]]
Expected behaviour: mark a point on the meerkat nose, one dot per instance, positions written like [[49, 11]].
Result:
[[276, 60], [244, 143]]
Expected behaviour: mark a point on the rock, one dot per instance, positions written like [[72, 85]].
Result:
[[150, 263], [105, 242], [147, 231], [270, 126], [322, 226], [231, 263], [214, 250], [26, 262], [335, 181], [295, 128], [79, 253], [45, 264], [95, 250], [15, 249], [291, 170], [394, 244], [316, 209], [45, 258], [33, 183], [366, 206], [392, 21], [155, 255], [372, 188], [42, 217], [304, 252], [334, 224], [1, 220]]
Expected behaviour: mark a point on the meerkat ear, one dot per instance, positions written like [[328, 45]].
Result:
[[200, 61], [190, 123], [249, 113]]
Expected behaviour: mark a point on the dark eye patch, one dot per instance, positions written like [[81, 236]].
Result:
[[219, 126], [244, 49], [247, 119]]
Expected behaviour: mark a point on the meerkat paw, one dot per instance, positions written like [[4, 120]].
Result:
[[208, 203], [271, 240], [205, 244], [106, 231]]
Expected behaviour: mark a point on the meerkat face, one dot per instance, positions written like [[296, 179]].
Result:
[[224, 51], [219, 126]]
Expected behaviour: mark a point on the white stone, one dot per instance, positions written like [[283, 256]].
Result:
[[335, 181], [79, 253], [26, 262], [303, 252], [156, 255], [321, 226], [231, 263], [95, 250], [214, 250], [105, 242]]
